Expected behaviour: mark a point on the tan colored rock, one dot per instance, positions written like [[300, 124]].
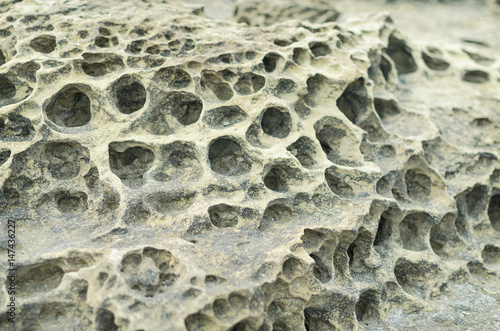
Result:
[[284, 169]]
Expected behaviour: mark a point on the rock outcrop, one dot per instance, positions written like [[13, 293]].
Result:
[[278, 170]]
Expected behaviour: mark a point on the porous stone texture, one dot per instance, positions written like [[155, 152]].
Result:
[[286, 168]]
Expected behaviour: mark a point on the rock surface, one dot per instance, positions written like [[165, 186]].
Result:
[[287, 168]]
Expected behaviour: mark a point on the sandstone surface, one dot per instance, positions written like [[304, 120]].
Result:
[[286, 165]]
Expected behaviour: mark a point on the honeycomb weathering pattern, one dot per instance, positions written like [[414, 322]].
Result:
[[273, 171]]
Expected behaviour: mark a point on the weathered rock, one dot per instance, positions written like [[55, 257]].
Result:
[[278, 170]]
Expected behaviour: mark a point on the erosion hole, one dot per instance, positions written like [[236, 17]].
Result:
[[7, 89], [167, 202], [224, 116], [414, 230], [435, 63], [63, 159], [102, 42], [228, 158], [301, 56], [249, 83], [199, 321], [173, 77], [476, 76], [275, 213], [305, 151], [70, 203], [130, 94], [338, 185], [476, 200], [275, 179], [285, 86], [367, 306], [44, 44], [491, 254], [100, 64], [386, 108], [494, 211], [401, 54], [184, 106], [354, 101], [414, 277], [319, 48], [276, 122], [4, 155], [384, 231], [317, 319], [70, 107], [221, 89], [270, 61], [418, 185], [38, 278], [105, 320], [130, 163], [223, 216]]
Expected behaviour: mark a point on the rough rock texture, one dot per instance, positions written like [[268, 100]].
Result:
[[283, 169]]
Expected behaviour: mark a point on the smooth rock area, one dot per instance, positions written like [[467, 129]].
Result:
[[255, 165]]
